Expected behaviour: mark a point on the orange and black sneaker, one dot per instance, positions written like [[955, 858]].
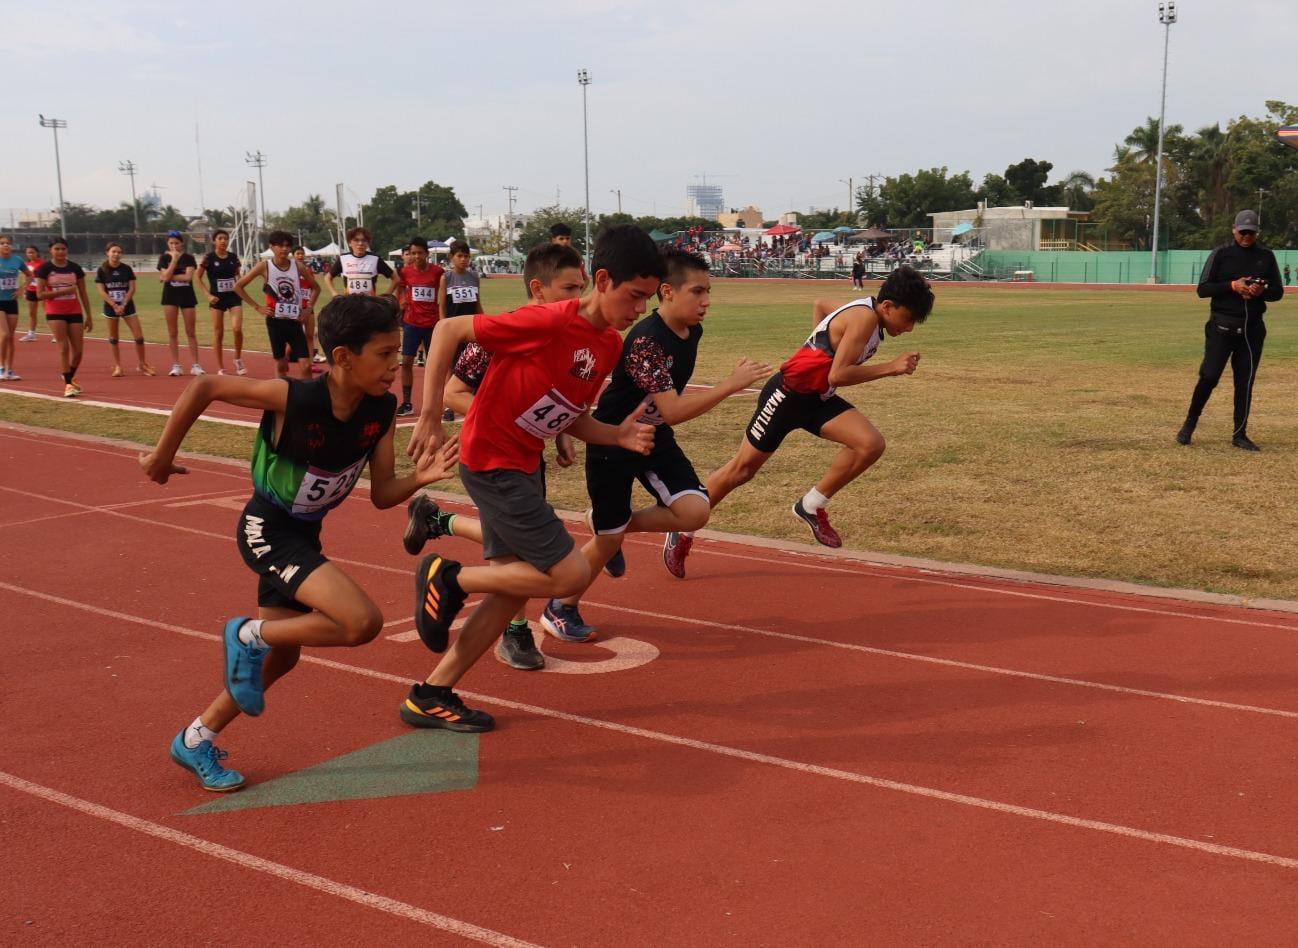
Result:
[[438, 599], [438, 706]]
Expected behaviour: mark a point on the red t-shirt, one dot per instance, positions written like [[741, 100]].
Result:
[[62, 277], [420, 289], [547, 367]]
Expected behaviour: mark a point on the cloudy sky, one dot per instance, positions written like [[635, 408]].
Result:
[[775, 101]]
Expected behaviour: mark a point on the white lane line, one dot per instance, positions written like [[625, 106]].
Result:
[[200, 499], [245, 860], [807, 561], [411, 635], [121, 406], [75, 444], [945, 796]]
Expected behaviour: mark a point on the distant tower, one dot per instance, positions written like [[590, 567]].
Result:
[[704, 200]]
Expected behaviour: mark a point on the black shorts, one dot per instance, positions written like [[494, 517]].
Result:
[[516, 519], [665, 472], [780, 411], [72, 319], [281, 550], [287, 339], [412, 337], [9, 307], [182, 296], [30, 296], [226, 301], [129, 311]]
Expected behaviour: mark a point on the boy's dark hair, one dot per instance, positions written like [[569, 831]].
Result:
[[353, 320], [560, 229], [359, 232], [218, 232], [277, 237], [298, 247], [678, 264], [906, 287], [458, 246], [417, 242], [56, 241], [547, 260], [626, 252]]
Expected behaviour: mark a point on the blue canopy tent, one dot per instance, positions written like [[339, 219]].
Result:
[[961, 228], [844, 230], [823, 237]]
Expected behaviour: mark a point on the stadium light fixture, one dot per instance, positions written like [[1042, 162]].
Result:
[[56, 124], [1166, 16], [583, 80]]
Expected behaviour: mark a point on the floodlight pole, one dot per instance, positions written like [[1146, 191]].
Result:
[[510, 225], [258, 161], [583, 79], [56, 124], [1166, 16], [128, 168]]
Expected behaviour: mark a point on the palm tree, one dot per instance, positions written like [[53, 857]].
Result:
[[1143, 141], [1212, 157], [1076, 190]]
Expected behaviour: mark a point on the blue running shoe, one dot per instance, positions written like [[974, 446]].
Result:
[[565, 623], [204, 761], [243, 669]]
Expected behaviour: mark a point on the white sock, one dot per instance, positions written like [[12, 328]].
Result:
[[813, 500], [688, 533], [196, 733], [250, 634]]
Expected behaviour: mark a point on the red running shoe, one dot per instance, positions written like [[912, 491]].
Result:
[[819, 523], [675, 548]]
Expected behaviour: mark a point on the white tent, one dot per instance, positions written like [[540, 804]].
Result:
[[328, 250]]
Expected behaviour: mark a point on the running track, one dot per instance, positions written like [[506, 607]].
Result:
[[823, 751]]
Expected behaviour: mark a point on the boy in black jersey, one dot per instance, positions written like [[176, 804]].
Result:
[[657, 361], [315, 439]]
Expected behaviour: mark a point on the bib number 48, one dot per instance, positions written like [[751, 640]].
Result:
[[549, 415]]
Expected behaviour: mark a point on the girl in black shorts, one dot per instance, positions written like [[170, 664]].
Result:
[[34, 261], [222, 268], [176, 273], [62, 286], [115, 282]]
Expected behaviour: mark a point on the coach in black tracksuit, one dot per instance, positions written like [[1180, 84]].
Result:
[[1240, 278]]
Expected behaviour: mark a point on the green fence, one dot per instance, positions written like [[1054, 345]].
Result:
[[1063, 266]]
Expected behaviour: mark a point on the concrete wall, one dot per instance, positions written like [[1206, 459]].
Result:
[[1175, 266]]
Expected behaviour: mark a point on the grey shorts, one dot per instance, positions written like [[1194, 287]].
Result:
[[516, 519]]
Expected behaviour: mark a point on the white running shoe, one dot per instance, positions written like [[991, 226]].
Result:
[[239, 367], [4, 374], [196, 369], [14, 376], [175, 369], [319, 358], [29, 337], [220, 371]]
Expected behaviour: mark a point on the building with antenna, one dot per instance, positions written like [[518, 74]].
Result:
[[704, 200]]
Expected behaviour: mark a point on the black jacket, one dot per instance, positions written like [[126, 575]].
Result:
[[1230, 262]]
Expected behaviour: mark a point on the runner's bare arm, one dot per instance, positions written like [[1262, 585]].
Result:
[[172, 260], [200, 283], [266, 394], [240, 286], [447, 338], [388, 490], [457, 396], [676, 409], [85, 303], [859, 325], [630, 434]]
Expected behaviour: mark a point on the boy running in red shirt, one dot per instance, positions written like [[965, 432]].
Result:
[[420, 282], [548, 364]]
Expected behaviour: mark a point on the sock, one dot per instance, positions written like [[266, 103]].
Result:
[[518, 625], [446, 523], [813, 500], [405, 394], [196, 733], [424, 690], [67, 378], [250, 634]]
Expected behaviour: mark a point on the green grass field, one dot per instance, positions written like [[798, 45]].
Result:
[[1037, 434]]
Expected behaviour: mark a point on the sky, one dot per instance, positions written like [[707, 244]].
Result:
[[779, 102]]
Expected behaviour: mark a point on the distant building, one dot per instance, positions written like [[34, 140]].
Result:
[[744, 217], [479, 228], [1016, 228], [789, 217], [704, 200]]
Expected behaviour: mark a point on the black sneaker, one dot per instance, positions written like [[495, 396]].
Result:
[[616, 567], [517, 649], [405, 408], [448, 414], [423, 523], [1243, 442], [1187, 430], [442, 707], [438, 599]]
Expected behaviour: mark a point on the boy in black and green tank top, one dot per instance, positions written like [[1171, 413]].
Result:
[[314, 440]]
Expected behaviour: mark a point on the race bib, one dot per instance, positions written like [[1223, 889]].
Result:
[[549, 415], [225, 285], [9, 282], [359, 284], [304, 295], [321, 490], [650, 416], [287, 310], [178, 283], [423, 294], [117, 296], [464, 294]]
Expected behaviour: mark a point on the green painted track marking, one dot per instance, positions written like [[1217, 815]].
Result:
[[416, 762]]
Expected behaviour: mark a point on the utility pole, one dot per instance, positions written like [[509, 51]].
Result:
[[417, 209], [1260, 193], [258, 161], [511, 189], [583, 79], [618, 192], [57, 124], [198, 152], [128, 168], [848, 181], [342, 224], [1166, 16]]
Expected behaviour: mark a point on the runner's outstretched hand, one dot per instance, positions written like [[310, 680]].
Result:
[[634, 436], [159, 469]]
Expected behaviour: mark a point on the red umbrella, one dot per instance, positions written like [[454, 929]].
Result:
[[781, 230]]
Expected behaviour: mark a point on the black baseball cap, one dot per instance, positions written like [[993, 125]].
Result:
[[1246, 220]]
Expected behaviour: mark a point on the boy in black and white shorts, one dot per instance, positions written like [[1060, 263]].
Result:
[[283, 309], [658, 357]]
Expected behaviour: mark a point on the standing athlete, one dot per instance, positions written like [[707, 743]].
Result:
[[460, 293], [802, 395], [420, 283], [115, 282], [61, 284], [12, 271], [176, 273], [222, 267], [283, 310], [359, 268], [33, 263]]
